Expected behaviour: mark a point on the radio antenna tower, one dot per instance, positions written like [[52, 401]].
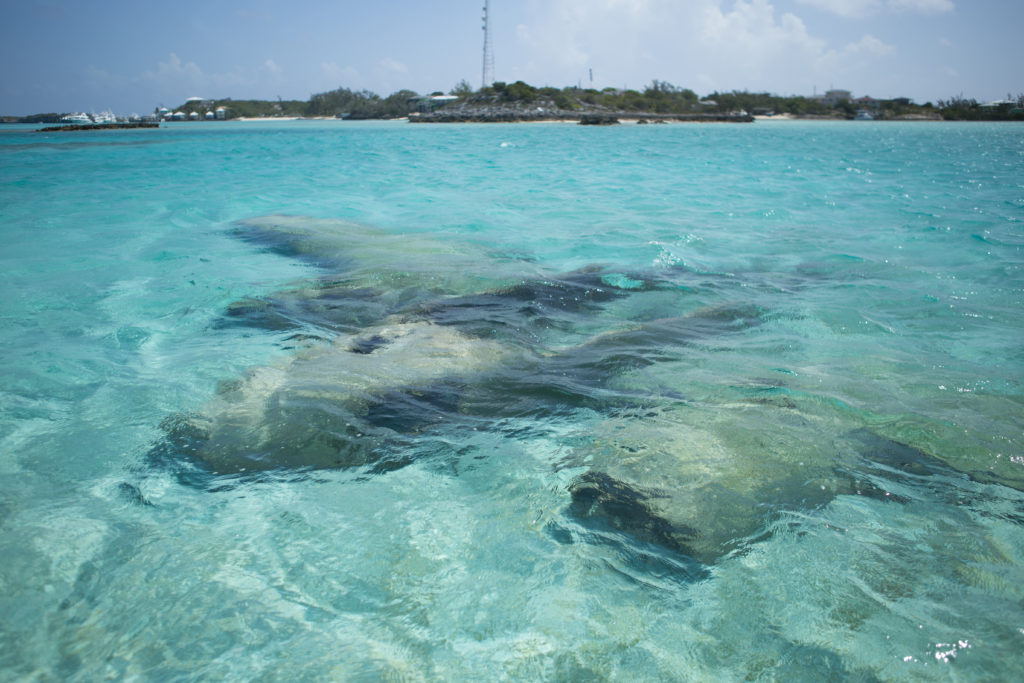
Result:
[[488, 70]]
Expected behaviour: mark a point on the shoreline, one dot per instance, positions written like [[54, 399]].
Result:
[[283, 118], [598, 119], [97, 126], [588, 117]]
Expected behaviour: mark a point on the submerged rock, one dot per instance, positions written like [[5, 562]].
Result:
[[595, 496], [707, 482], [409, 345], [365, 257], [406, 343], [310, 411]]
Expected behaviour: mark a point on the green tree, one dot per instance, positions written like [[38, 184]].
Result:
[[520, 92], [463, 90]]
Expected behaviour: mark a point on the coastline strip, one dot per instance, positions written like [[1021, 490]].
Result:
[[97, 126]]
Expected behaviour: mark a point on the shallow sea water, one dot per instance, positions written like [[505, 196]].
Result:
[[355, 401]]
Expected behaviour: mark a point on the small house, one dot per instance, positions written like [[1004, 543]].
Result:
[[867, 103]]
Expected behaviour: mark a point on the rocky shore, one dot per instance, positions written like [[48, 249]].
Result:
[[96, 126], [512, 114]]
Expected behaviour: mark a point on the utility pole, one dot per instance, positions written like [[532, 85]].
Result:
[[488, 68]]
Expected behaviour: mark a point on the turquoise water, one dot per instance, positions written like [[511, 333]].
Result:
[[346, 401]]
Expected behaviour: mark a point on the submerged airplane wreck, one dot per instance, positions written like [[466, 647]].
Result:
[[405, 336]]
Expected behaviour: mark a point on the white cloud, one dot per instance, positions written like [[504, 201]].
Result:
[[175, 76], [390, 64], [269, 73], [853, 58], [703, 44], [754, 35], [338, 74], [864, 8], [565, 38], [869, 45], [923, 6], [174, 70], [846, 8]]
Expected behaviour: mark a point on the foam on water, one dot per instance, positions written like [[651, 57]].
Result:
[[645, 403]]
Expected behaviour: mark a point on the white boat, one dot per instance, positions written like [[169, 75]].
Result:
[[863, 115], [104, 117], [76, 118]]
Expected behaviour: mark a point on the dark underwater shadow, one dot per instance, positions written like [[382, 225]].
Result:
[[390, 425], [605, 512], [564, 341]]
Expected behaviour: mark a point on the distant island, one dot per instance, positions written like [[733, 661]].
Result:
[[520, 101]]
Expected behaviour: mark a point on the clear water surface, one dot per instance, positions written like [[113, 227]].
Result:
[[351, 401]]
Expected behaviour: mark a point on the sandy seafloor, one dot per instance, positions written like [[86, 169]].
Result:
[[361, 401]]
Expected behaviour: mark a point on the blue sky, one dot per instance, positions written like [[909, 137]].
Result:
[[132, 56]]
